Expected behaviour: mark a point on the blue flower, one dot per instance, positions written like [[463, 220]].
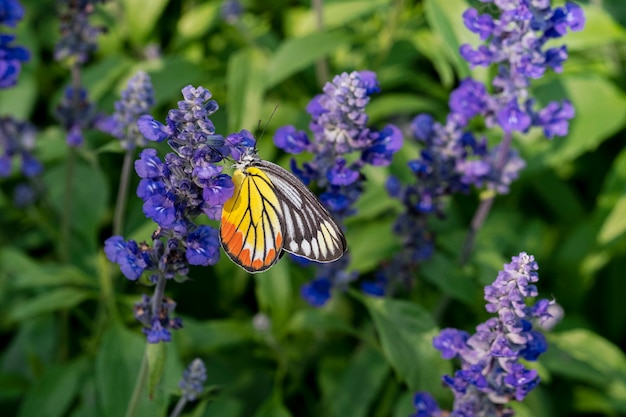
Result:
[[17, 141], [11, 58], [132, 258], [157, 326], [291, 140], [11, 12], [76, 113], [425, 405], [149, 165], [152, 129], [316, 292], [203, 246]]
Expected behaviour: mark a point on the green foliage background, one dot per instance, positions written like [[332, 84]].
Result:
[[69, 343]]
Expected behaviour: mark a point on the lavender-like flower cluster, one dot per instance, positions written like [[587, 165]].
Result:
[[491, 373], [78, 36], [17, 140], [175, 190], [136, 101], [453, 158], [339, 128], [11, 57]]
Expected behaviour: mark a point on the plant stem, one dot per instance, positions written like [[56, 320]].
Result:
[[142, 376], [485, 205], [140, 383], [321, 66], [180, 405], [122, 194], [66, 223]]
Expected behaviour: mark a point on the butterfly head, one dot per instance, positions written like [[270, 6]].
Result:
[[247, 158]]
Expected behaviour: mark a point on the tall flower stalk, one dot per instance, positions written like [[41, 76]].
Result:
[[74, 112], [137, 100], [186, 183], [453, 158], [342, 144], [492, 373]]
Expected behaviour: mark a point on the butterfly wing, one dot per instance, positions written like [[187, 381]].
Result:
[[250, 230], [309, 229]]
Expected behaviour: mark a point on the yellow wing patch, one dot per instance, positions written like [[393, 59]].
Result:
[[250, 230]]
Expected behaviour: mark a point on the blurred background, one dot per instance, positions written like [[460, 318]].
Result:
[[69, 344]]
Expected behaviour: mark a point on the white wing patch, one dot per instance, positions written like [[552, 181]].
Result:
[[309, 229]]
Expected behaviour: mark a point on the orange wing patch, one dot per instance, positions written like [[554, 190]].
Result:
[[250, 231]]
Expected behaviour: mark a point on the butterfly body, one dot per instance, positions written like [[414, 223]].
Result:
[[271, 211]]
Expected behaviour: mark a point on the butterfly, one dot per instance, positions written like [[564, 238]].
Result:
[[272, 211]]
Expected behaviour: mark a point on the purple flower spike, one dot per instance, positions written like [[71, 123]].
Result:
[[491, 373]]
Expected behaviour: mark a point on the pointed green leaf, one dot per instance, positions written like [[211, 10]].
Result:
[[273, 407], [445, 19], [334, 15], [612, 202], [155, 354], [296, 54], [117, 367], [275, 293], [360, 384], [406, 331], [51, 300], [141, 17], [587, 356], [598, 105], [246, 86], [89, 195], [54, 392]]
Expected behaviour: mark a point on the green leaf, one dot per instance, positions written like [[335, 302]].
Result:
[[210, 336], [296, 54], [53, 393], [197, 21], [246, 85], [396, 104], [370, 244], [301, 22], [600, 29], [587, 356], [141, 17], [612, 202], [406, 331], [117, 366], [275, 294], [170, 74], [315, 320], [102, 77], [155, 355], [223, 406], [445, 19], [598, 107], [89, 194], [273, 407], [360, 384], [33, 346], [444, 273], [49, 301], [25, 272]]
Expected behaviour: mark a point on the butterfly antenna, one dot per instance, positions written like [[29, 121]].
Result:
[[266, 123]]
